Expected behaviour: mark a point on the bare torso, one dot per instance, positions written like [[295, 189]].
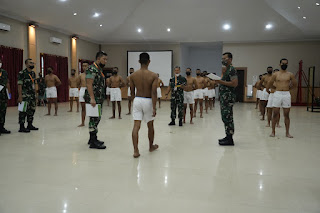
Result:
[[143, 81], [212, 84], [108, 82], [82, 80], [266, 79], [116, 81], [73, 83], [200, 82], [206, 82], [51, 80], [283, 80], [191, 84]]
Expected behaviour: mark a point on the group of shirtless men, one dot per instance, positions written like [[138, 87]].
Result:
[[273, 93]]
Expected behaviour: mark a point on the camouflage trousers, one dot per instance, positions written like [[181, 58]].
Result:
[[227, 101], [3, 111], [93, 123], [177, 101], [31, 108]]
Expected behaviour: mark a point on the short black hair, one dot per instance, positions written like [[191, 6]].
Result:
[[260, 75], [177, 67], [283, 59], [205, 71], [276, 70], [131, 68], [229, 54], [198, 69], [86, 62], [26, 61], [269, 67], [101, 53], [144, 58], [189, 68], [116, 68]]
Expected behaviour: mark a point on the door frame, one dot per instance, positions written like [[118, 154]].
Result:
[[245, 69]]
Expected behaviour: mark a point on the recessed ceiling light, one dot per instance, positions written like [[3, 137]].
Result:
[[100, 25], [299, 8], [318, 4], [227, 27], [139, 30], [304, 17], [269, 26], [95, 15], [74, 14], [168, 29], [62, 0]]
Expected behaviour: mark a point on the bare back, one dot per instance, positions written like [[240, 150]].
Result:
[[191, 84], [73, 83], [143, 81], [200, 82], [51, 80], [82, 80]]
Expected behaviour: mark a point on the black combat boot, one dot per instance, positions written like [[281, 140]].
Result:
[[180, 122], [172, 123], [227, 142], [23, 129], [94, 143], [31, 127], [3, 130], [93, 136]]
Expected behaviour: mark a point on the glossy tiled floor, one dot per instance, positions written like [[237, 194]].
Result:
[[53, 170]]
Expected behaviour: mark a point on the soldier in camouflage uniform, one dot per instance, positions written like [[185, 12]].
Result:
[[26, 89], [41, 89], [228, 83], [94, 94], [176, 86], [4, 82]]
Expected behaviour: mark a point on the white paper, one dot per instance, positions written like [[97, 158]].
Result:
[[249, 91], [22, 107], [213, 77], [1, 87], [93, 111], [8, 94]]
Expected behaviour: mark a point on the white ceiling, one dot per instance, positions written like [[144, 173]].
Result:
[[189, 20]]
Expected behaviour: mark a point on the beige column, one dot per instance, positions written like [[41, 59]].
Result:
[[32, 46], [74, 59]]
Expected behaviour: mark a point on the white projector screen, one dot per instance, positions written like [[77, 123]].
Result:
[[161, 62]]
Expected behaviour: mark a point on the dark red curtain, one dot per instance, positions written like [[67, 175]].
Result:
[[60, 68], [12, 62]]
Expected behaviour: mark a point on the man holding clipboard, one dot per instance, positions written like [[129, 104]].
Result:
[[94, 95]]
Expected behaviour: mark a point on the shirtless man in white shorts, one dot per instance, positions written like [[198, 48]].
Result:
[[73, 90], [198, 93], [116, 82], [270, 104], [145, 102], [265, 94], [129, 91], [285, 81], [159, 95], [52, 81], [258, 93], [206, 91], [188, 94], [83, 86]]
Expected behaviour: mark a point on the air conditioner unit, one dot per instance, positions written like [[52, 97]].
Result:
[[55, 40], [5, 27]]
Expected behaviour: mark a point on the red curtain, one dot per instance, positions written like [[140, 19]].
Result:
[[60, 68], [12, 62]]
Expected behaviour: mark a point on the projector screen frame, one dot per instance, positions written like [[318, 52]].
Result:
[[151, 58]]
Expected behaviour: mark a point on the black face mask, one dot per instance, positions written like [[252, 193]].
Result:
[[72, 73], [114, 72], [31, 67], [101, 65], [49, 71], [198, 74], [269, 72], [188, 73], [131, 73], [284, 66], [224, 63]]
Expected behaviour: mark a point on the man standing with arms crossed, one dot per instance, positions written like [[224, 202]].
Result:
[[144, 104], [116, 82], [83, 86], [159, 95], [228, 83], [129, 91], [95, 95], [189, 94], [51, 81], [285, 81], [4, 86], [198, 93], [176, 86], [26, 91], [73, 90]]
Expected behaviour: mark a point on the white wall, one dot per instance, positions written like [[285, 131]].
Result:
[[86, 50], [117, 54], [258, 56]]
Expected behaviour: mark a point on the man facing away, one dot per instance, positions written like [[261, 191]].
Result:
[[52, 81], [144, 103]]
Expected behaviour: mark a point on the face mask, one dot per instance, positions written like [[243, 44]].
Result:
[[177, 75], [72, 73], [131, 73], [114, 72], [49, 71], [198, 74], [270, 72], [188, 73], [31, 67], [284, 66], [224, 63], [101, 65], [0, 65]]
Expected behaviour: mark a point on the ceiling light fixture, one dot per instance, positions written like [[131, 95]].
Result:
[[139, 30], [95, 15], [304, 17], [318, 4], [299, 8], [168, 29], [269, 26], [74, 14], [100, 25], [226, 27]]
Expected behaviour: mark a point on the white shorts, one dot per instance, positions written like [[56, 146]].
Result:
[[188, 97], [115, 94], [264, 95], [108, 91], [74, 92], [81, 94], [270, 100], [212, 93], [198, 94], [159, 95], [258, 95], [51, 92], [205, 92], [142, 109], [282, 99]]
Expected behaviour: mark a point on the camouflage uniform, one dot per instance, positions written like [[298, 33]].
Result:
[[227, 100], [27, 80], [42, 88], [3, 95], [177, 96], [95, 72]]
